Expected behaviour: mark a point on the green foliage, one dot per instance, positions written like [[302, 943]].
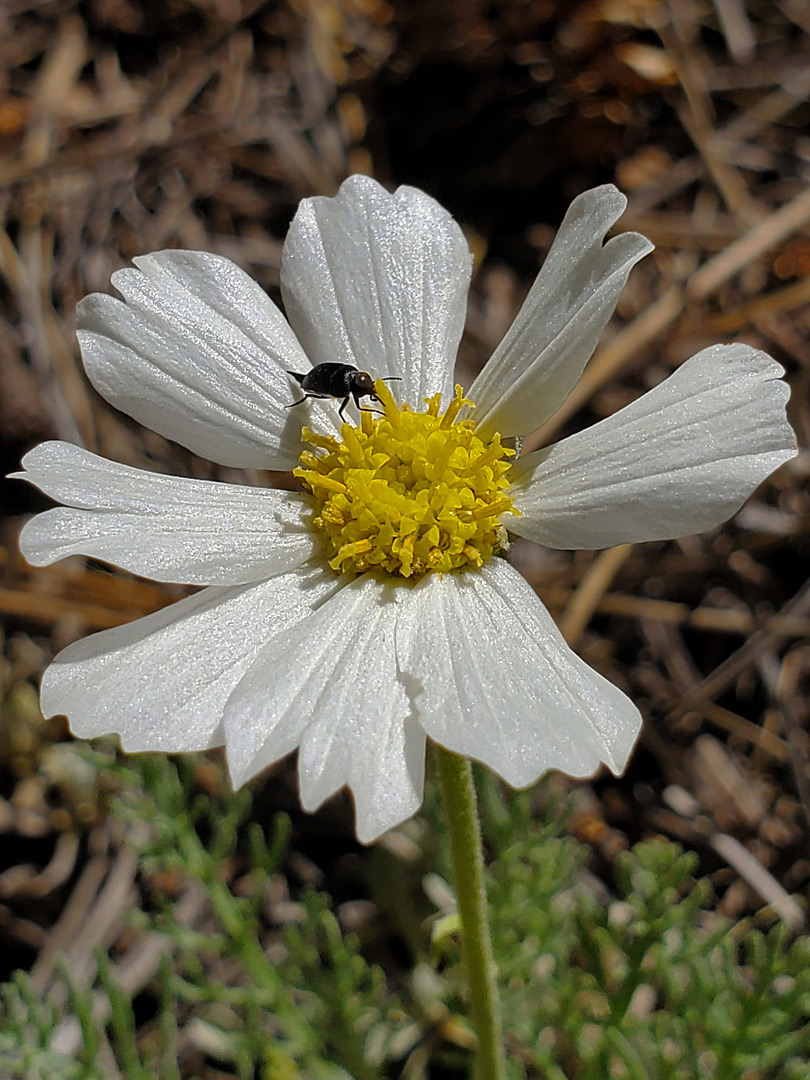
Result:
[[316, 1010], [27, 1028], [651, 984]]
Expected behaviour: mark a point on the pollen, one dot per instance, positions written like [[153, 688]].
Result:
[[408, 492]]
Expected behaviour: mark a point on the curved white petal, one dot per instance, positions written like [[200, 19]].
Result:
[[164, 527], [330, 687], [679, 459], [544, 351], [379, 281], [198, 353], [161, 682], [494, 680]]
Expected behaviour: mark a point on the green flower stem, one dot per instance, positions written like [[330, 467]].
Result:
[[455, 777]]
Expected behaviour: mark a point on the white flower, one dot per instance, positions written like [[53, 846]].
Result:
[[355, 669]]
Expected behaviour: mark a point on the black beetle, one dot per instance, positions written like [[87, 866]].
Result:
[[336, 381]]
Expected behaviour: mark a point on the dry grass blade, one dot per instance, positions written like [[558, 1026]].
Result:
[[594, 584]]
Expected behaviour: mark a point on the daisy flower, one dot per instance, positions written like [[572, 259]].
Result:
[[373, 608]]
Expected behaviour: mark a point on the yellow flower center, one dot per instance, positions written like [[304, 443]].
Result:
[[408, 492]]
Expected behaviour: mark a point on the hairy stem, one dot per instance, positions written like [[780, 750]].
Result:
[[458, 792]]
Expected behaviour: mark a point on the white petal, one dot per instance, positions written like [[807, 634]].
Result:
[[544, 351], [379, 281], [679, 459], [494, 680], [199, 354], [161, 682], [163, 527], [330, 685]]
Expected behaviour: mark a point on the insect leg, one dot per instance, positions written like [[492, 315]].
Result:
[[306, 397]]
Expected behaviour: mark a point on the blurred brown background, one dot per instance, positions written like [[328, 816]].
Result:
[[127, 127]]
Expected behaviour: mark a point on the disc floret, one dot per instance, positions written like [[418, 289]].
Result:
[[408, 492]]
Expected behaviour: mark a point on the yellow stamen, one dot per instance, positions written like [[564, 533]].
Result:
[[453, 409], [314, 479], [409, 492], [326, 442], [310, 460], [492, 454], [349, 551], [433, 404], [501, 506], [353, 444], [390, 407]]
